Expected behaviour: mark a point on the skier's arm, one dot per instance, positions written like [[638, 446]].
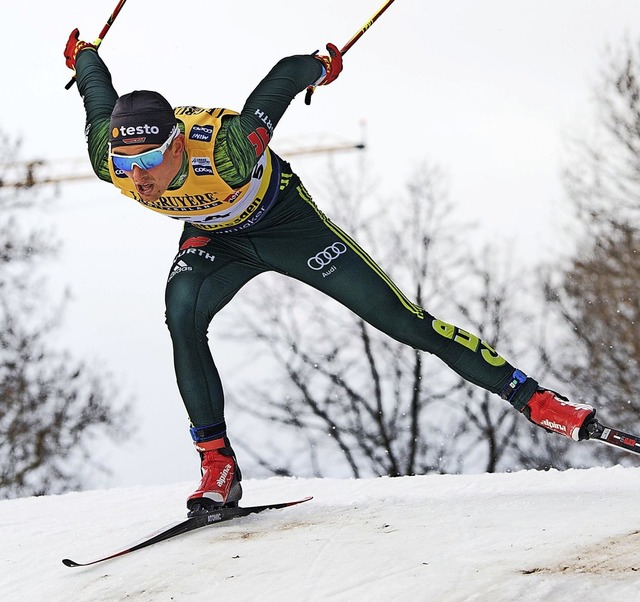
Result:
[[242, 138], [99, 97], [239, 143]]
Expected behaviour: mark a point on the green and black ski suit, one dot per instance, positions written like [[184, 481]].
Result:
[[285, 232]]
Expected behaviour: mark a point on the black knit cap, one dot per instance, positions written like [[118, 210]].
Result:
[[141, 117]]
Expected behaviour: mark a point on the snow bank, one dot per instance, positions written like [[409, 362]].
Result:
[[521, 536]]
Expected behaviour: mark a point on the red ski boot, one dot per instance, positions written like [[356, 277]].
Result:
[[557, 414], [220, 485]]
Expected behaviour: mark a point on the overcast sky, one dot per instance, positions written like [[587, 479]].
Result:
[[487, 89]]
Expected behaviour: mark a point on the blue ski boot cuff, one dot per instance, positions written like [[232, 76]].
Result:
[[200, 434], [518, 390]]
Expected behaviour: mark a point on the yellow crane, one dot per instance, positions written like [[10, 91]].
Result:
[[39, 172]]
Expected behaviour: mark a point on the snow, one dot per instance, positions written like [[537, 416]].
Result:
[[516, 536]]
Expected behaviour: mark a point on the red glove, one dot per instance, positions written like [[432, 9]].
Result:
[[332, 65], [74, 45]]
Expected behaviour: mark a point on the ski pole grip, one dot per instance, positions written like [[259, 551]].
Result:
[[309, 94]]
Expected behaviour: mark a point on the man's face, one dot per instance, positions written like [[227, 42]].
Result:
[[152, 183]]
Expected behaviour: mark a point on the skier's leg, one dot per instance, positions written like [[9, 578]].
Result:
[[322, 255], [312, 249], [203, 278]]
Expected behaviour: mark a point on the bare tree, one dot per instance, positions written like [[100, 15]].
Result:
[[54, 409], [598, 295], [367, 398], [599, 299], [500, 310], [364, 401], [603, 175]]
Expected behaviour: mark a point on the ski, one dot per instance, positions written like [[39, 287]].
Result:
[[615, 437], [195, 522]]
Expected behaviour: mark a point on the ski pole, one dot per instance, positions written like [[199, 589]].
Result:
[[353, 40], [101, 35], [366, 26]]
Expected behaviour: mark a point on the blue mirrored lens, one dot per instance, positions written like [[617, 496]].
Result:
[[147, 160]]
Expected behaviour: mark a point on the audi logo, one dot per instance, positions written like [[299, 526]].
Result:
[[324, 258]]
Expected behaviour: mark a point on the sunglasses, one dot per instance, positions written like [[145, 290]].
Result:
[[147, 160]]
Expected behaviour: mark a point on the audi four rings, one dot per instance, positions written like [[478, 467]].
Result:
[[324, 258]]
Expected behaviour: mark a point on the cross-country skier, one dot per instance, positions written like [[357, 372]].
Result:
[[246, 212]]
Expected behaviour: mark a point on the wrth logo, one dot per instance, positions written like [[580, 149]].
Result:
[[195, 251]]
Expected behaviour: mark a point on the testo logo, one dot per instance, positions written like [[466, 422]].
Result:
[[134, 130]]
